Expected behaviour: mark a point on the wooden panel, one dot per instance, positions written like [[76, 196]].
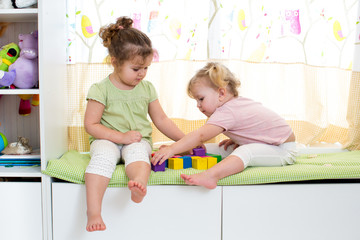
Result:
[[14, 29], [292, 211], [167, 212]]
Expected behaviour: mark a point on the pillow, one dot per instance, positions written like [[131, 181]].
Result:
[[345, 165]]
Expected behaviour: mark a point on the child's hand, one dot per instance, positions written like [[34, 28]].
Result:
[[227, 143], [160, 156], [131, 137]]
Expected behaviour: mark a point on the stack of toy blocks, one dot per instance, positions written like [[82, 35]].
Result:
[[199, 160]]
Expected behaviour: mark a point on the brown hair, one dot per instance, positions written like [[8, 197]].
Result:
[[125, 42], [217, 76]]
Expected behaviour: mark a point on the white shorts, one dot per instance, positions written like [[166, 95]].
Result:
[[106, 154], [258, 154]]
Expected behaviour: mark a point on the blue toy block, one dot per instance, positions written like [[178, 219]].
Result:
[[199, 152], [187, 162], [158, 167]]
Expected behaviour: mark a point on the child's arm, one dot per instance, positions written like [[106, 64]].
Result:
[[188, 142], [163, 123], [93, 113]]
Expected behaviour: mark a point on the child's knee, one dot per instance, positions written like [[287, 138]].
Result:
[[135, 152], [104, 157]]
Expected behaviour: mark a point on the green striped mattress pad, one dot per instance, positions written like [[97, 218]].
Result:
[[345, 165]]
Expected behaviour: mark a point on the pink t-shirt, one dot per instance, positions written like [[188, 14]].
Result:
[[246, 121]]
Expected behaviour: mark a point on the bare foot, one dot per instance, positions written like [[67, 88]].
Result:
[[138, 191], [200, 179], [95, 223]]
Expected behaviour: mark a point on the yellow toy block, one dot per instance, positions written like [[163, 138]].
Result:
[[199, 163], [211, 161], [175, 163]]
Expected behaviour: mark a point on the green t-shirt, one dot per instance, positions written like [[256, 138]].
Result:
[[125, 110]]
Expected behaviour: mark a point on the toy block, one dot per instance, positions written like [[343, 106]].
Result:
[[187, 162], [199, 152], [211, 161], [218, 157], [175, 163], [199, 163], [165, 163], [158, 167]]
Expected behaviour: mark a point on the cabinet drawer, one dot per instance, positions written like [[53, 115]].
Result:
[[292, 211], [167, 212], [20, 211]]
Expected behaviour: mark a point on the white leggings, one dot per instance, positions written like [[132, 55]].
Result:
[[258, 154], [106, 154]]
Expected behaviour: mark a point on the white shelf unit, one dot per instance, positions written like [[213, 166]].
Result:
[[27, 195]]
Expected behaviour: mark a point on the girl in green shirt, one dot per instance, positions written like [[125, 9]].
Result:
[[116, 118]]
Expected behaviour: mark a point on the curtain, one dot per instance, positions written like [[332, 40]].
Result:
[[296, 57]]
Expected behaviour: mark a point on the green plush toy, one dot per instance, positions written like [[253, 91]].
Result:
[[8, 55]]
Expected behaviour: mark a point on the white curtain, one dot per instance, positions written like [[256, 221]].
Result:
[[296, 57]]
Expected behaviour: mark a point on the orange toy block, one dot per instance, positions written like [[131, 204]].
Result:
[[175, 163], [199, 163], [211, 161]]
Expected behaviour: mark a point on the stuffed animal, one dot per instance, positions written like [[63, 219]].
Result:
[[17, 3], [20, 147], [8, 55], [23, 73], [26, 66]]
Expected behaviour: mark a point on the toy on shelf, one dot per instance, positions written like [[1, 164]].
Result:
[[25, 104], [8, 4], [23, 72], [26, 66], [8, 54], [3, 141], [19, 148], [199, 160]]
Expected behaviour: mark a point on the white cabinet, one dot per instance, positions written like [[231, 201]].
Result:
[[167, 212], [45, 127], [20, 208], [292, 211]]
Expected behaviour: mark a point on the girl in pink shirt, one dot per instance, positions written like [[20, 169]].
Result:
[[257, 135]]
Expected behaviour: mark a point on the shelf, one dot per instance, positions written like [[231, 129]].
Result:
[[19, 91], [34, 155], [20, 171], [19, 15]]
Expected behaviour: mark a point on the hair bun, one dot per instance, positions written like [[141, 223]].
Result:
[[124, 22]]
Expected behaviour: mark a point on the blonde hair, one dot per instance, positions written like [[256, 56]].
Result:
[[125, 42], [217, 76]]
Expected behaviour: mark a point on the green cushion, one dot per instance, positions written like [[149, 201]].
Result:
[[345, 165]]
